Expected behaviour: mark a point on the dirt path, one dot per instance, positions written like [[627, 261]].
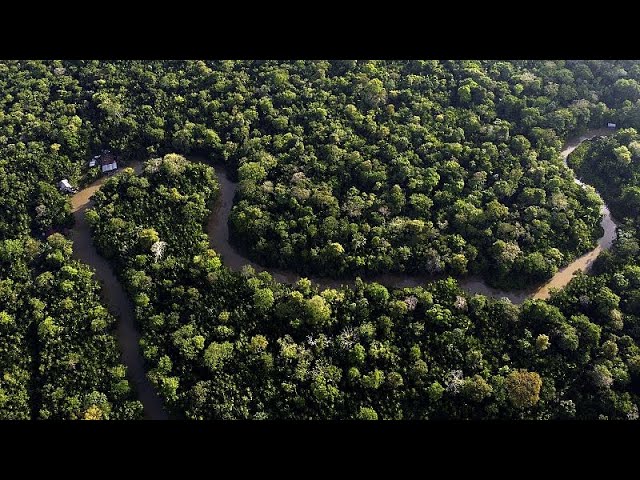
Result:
[[117, 301]]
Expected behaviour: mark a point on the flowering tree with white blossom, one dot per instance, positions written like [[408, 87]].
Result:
[[158, 249]]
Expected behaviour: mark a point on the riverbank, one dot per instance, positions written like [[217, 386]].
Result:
[[218, 231], [116, 300], [120, 305]]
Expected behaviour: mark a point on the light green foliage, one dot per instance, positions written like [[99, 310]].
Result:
[[72, 354], [367, 413], [318, 310], [217, 354], [263, 299], [345, 168]]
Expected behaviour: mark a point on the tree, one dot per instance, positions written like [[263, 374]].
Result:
[[367, 413], [93, 413], [523, 388], [217, 354], [158, 249], [476, 388], [623, 154], [147, 238], [542, 342], [318, 310], [263, 299]]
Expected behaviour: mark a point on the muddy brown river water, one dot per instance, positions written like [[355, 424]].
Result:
[[218, 232], [117, 301], [120, 305]]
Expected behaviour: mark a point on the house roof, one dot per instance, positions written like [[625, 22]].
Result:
[[107, 158]]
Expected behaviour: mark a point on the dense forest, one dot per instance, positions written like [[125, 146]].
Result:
[[239, 345], [57, 357], [344, 168], [612, 166]]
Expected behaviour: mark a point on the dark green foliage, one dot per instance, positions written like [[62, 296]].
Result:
[[612, 166], [59, 356], [345, 167], [225, 345], [416, 167]]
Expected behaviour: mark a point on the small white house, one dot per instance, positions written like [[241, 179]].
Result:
[[109, 166], [108, 161], [611, 125], [65, 186]]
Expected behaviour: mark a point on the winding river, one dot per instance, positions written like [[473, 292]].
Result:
[[117, 301], [608, 224], [120, 305], [218, 231]]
